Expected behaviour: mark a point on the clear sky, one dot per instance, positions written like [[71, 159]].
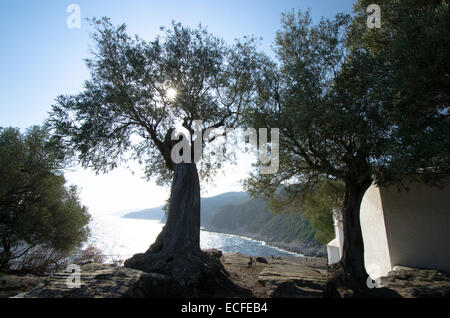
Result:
[[41, 58]]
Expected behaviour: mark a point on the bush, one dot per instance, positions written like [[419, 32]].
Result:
[[42, 260], [90, 254], [41, 219]]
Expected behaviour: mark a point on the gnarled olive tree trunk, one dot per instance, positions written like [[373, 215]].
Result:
[[176, 251], [181, 234]]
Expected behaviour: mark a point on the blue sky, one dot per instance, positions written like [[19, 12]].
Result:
[[40, 58]]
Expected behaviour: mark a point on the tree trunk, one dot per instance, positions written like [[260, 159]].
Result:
[[181, 234], [5, 256], [350, 270], [353, 250], [4, 263], [176, 251]]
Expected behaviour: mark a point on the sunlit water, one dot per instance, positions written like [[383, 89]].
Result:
[[120, 238]]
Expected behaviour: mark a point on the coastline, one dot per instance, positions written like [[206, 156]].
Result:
[[307, 249], [297, 246], [263, 242]]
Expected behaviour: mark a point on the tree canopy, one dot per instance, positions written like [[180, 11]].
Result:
[[140, 91], [413, 44]]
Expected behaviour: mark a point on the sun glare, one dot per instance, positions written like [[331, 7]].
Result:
[[171, 93]]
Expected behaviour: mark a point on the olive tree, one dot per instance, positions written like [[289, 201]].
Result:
[[342, 110], [138, 93]]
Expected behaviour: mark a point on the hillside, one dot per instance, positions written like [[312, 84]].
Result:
[[209, 207], [236, 213], [253, 219], [151, 214], [212, 205]]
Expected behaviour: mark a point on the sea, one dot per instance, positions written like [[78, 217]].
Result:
[[119, 238]]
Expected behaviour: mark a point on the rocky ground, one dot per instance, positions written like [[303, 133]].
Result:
[[101, 281], [259, 277], [11, 285], [272, 277], [417, 283], [263, 277]]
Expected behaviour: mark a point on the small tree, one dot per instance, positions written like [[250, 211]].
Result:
[[36, 209], [139, 91]]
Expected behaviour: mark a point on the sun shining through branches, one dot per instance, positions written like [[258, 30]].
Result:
[[171, 93]]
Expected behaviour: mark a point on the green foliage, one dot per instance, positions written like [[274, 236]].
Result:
[[316, 203], [413, 41], [35, 206]]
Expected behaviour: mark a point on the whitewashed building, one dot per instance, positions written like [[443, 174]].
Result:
[[334, 248], [407, 228]]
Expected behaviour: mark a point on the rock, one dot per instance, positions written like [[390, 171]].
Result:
[[236, 259], [401, 282], [214, 252], [11, 285], [261, 260], [413, 282], [264, 277], [317, 263], [275, 277], [286, 279], [102, 281]]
